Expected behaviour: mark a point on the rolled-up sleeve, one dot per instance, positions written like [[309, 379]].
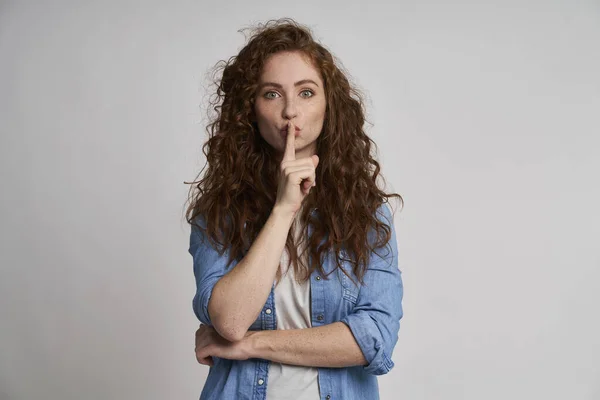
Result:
[[375, 319], [209, 267]]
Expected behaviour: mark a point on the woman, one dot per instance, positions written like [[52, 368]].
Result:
[[294, 248]]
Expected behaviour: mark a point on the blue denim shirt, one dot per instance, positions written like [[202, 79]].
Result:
[[372, 312]]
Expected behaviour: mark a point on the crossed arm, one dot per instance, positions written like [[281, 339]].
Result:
[[366, 336], [331, 345]]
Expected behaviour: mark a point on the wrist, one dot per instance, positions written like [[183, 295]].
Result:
[[281, 213], [254, 341]]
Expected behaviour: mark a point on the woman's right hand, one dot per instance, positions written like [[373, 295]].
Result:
[[296, 177]]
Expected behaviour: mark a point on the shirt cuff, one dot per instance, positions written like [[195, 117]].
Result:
[[201, 299], [369, 339]]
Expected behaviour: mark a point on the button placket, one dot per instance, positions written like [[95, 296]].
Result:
[[317, 299], [268, 313]]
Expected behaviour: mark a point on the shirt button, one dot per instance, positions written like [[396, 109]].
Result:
[[268, 311], [328, 397], [318, 278], [320, 317], [260, 381]]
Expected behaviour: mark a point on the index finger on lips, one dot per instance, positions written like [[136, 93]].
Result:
[[290, 143]]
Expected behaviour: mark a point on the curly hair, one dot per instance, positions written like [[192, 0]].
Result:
[[238, 191]]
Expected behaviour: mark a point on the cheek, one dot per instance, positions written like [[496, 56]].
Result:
[[318, 106], [317, 113], [263, 112], [264, 120]]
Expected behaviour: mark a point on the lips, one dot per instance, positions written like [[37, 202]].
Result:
[[284, 131]]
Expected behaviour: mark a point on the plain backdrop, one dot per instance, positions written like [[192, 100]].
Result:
[[487, 119]]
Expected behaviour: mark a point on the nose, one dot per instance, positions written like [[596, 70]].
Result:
[[290, 110]]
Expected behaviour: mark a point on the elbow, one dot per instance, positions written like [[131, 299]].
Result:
[[235, 336], [226, 327], [231, 334]]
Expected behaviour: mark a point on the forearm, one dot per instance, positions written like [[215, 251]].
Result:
[[331, 345], [238, 297]]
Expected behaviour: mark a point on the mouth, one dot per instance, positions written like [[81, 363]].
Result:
[[284, 131]]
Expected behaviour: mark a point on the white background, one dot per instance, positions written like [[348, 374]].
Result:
[[487, 118]]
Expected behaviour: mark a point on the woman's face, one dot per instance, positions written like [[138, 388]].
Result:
[[290, 89]]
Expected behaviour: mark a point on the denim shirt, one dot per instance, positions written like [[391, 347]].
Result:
[[371, 311]]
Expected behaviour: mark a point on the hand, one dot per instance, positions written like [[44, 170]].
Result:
[[296, 177], [209, 343]]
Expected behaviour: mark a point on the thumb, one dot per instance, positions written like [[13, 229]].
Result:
[[315, 159]]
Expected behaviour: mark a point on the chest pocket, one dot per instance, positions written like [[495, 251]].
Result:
[[350, 289]]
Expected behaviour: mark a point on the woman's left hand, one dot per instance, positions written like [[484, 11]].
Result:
[[209, 343]]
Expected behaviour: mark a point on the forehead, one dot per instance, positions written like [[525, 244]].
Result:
[[289, 67]]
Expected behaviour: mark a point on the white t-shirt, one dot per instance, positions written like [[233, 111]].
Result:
[[292, 309]]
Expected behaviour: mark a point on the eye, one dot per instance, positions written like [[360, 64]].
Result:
[[307, 93], [268, 95]]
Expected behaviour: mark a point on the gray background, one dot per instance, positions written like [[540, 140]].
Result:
[[487, 119]]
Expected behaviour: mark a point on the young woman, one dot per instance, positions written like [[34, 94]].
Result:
[[295, 257]]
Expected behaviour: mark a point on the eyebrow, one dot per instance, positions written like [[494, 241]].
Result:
[[277, 85]]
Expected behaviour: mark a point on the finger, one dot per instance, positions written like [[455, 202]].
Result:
[[205, 360], [203, 355], [199, 333], [307, 162], [288, 170], [202, 340], [307, 174], [290, 143], [306, 188], [307, 185]]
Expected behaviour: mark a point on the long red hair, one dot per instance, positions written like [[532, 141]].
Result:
[[237, 192]]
